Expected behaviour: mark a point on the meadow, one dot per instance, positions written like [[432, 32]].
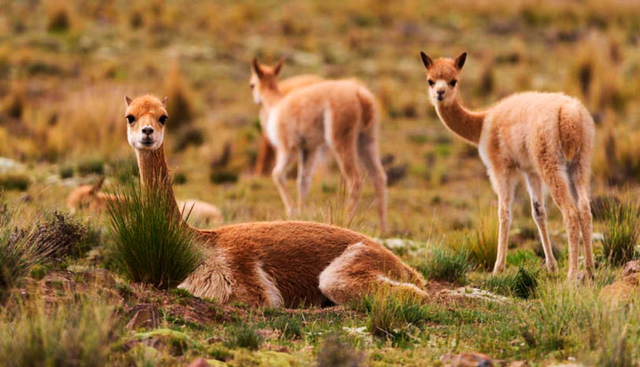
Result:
[[65, 67]]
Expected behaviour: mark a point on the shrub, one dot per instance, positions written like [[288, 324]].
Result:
[[244, 336], [180, 178], [223, 176], [61, 229], [446, 264], [190, 136], [620, 237], [91, 166], [179, 105], [151, 244], [290, 327], [335, 353], [58, 17], [66, 172], [74, 333], [392, 314], [15, 181]]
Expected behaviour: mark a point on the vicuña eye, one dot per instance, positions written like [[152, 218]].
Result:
[[131, 119], [453, 83], [163, 119], [431, 83], [252, 86]]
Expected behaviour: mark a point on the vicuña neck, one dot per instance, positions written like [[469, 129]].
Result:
[[154, 175], [462, 122], [271, 97]]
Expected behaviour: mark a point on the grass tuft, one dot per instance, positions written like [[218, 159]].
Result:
[[14, 181], [180, 104], [244, 336], [336, 353], [446, 264], [622, 232], [151, 244], [289, 326]]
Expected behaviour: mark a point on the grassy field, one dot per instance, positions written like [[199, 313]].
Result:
[[66, 65]]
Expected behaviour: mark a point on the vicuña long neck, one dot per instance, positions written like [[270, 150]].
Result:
[[271, 97], [154, 175], [462, 122]]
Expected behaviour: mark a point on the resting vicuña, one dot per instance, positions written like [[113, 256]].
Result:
[[342, 115], [270, 263], [546, 136]]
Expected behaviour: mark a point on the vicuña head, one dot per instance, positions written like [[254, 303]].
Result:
[[264, 80], [146, 117], [442, 76]]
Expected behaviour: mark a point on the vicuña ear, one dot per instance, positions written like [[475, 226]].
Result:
[[127, 100], [278, 67], [460, 60], [97, 186], [164, 101], [255, 66], [426, 60]]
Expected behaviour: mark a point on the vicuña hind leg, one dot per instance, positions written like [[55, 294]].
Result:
[[346, 157], [370, 158], [283, 161], [504, 183], [580, 178], [539, 213], [306, 165], [360, 269]]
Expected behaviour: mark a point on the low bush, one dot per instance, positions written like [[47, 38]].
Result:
[[151, 244], [91, 166], [15, 181]]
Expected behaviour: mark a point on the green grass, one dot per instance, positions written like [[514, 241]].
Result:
[[289, 326], [622, 232], [150, 243], [244, 336], [15, 181], [77, 332], [443, 263], [91, 166], [522, 283]]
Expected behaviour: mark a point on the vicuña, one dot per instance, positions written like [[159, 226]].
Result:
[[342, 115], [548, 137], [270, 263]]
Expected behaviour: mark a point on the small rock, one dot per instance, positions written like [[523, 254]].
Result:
[[467, 360], [146, 316], [200, 362], [631, 268]]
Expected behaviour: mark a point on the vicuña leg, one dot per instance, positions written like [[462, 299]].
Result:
[[370, 158], [306, 165], [504, 183], [284, 159], [580, 177], [346, 157], [360, 269], [539, 213]]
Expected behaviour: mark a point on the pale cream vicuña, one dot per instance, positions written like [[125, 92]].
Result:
[[548, 137], [270, 263], [342, 115]]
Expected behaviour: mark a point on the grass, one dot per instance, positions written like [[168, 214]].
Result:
[[71, 333], [14, 181], [244, 336], [150, 242], [621, 235], [290, 327], [443, 263], [522, 283], [393, 316]]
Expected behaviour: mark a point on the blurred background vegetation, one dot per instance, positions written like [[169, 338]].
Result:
[[66, 65]]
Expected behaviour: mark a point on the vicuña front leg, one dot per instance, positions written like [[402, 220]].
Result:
[[539, 213], [504, 185], [283, 161], [306, 166]]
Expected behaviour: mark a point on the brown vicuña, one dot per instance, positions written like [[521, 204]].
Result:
[[546, 136], [89, 197], [270, 263], [342, 115], [265, 159]]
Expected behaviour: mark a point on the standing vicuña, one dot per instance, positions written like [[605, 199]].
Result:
[[342, 115], [547, 136], [269, 263]]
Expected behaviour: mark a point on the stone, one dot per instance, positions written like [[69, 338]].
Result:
[[145, 316], [467, 360]]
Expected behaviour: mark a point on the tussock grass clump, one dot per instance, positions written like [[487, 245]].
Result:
[[522, 284], [91, 166], [151, 244], [15, 181], [73, 333], [244, 336], [622, 231], [392, 315], [483, 249], [444, 263]]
